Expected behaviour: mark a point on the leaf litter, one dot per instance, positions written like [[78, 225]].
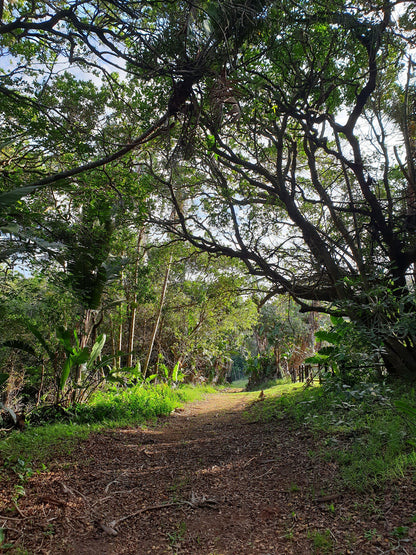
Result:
[[203, 482]]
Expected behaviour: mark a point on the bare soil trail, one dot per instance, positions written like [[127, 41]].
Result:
[[205, 481]]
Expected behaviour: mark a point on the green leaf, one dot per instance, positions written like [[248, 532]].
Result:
[[164, 370], [96, 349], [66, 370], [175, 371], [64, 337], [137, 370], [21, 345], [327, 351], [81, 356], [407, 409], [115, 379], [337, 321], [329, 336], [39, 336], [76, 339], [105, 361]]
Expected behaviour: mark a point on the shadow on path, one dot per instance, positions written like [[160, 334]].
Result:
[[206, 481]]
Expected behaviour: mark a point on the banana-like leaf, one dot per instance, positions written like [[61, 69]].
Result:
[[137, 370], [66, 370], [175, 371], [64, 337], [37, 333], [80, 357], [105, 361], [76, 338], [96, 349]]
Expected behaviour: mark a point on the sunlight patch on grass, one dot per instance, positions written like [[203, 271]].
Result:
[[111, 409], [359, 427]]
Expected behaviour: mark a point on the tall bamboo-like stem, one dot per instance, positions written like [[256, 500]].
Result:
[[133, 302], [159, 313], [120, 338]]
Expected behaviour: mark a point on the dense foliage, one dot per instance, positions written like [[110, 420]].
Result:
[[278, 135]]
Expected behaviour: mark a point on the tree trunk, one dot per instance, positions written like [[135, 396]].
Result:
[[85, 334], [120, 340], [276, 349], [400, 360], [133, 303], [159, 314]]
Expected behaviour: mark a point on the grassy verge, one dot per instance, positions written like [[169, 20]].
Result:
[[239, 383], [37, 446], [359, 427]]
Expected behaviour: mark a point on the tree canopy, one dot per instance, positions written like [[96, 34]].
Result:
[[281, 134]]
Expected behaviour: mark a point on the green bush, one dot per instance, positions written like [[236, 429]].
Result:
[[136, 403]]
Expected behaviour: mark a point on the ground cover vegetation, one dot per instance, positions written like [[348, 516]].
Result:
[[366, 428], [280, 493], [138, 406]]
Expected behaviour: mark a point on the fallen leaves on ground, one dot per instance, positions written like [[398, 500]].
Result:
[[206, 481]]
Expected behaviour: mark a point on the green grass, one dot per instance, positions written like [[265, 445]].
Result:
[[272, 391], [321, 541], [115, 408], [239, 383], [359, 427]]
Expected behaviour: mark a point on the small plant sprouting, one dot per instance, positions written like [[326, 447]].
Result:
[[331, 508], [289, 535], [19, 491], [400, 531], [20, 468], [321, 541], [178, 534], [371, 534]]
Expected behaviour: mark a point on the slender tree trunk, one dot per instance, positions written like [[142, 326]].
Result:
[[85, 334], [133, 302], [159, 314], [276, 349], [42, 377], [113, 342], [120, 340]]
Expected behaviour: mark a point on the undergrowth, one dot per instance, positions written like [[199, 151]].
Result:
[[110, 409], [357, 426]]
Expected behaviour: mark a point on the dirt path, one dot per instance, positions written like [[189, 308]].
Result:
[[205, 481]]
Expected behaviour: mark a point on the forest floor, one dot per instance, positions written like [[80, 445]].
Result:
[[207, 480]]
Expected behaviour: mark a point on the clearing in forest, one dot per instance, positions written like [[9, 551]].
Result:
[[207, 480]]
